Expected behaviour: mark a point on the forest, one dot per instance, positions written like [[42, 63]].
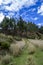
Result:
[[21, 28]]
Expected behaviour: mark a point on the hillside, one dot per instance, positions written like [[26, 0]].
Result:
[[20, 51]]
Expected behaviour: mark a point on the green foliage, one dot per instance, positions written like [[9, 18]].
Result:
[[41, 29], [5, 41], [20, 24], [32, 27], [4, 44], [20, 27], [5, 23], [17, 38], [31, 36], [10, 38], [8, 24]]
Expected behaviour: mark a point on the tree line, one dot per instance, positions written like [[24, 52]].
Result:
[[19, 27]]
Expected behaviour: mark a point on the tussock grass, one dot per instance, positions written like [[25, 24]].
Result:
[[15, 49], [31, 61], [6, 60], [31, 49], [41, 47], [17, 38]]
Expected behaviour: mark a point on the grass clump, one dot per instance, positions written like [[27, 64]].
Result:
[[17, 38], [31, 61], [15, 49], [2, 35], [6, 60], [4, 44], [10, 38], [41, 47], [31, 49]]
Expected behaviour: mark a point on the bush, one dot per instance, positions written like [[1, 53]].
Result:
[[4, 44], [31, 37], [6, 60], [10, 38], [2, 35], [15, 49], [31, 49], [5, 41], [17, 38], [31, 61]]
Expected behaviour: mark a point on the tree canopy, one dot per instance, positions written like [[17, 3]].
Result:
[[19, 26]]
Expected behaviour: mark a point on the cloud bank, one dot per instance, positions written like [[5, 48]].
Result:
[[16, 5], [40, 9]]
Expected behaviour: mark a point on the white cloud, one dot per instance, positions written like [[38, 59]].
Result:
[[17, 4], [1, 17], [1, 2], [40, 24], [6, 1], [35, 18], [40, 9]]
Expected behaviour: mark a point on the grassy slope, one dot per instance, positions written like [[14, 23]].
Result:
[[39, 57], [23, 58]]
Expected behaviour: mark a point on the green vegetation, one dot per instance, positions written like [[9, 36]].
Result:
[[21, 28], [17, 38], [20, 54], [15, 48]]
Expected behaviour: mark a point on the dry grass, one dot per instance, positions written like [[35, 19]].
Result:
[[21, 44], [41, 46], [15, 49], [31, 61], [6, 60], [37, 43], [10, 38], [31, 48]]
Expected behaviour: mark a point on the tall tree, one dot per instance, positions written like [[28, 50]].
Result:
[[41, 29], [5, 23], [32, 27]]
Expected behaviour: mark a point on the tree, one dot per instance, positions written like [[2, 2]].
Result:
[[5, 23], [21, 25], [41, 29], [32, 27], [8, 24]]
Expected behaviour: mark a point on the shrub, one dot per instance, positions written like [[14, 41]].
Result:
[[18, 38], [2, 35], [31, 61], [4, 44], [6, 60], [15, 49], [31, 49], [10, 38], [5, 41]]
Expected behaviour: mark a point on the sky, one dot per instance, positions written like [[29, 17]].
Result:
[[29, 10]]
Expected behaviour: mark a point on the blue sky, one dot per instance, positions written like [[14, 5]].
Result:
[[29, 10]]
